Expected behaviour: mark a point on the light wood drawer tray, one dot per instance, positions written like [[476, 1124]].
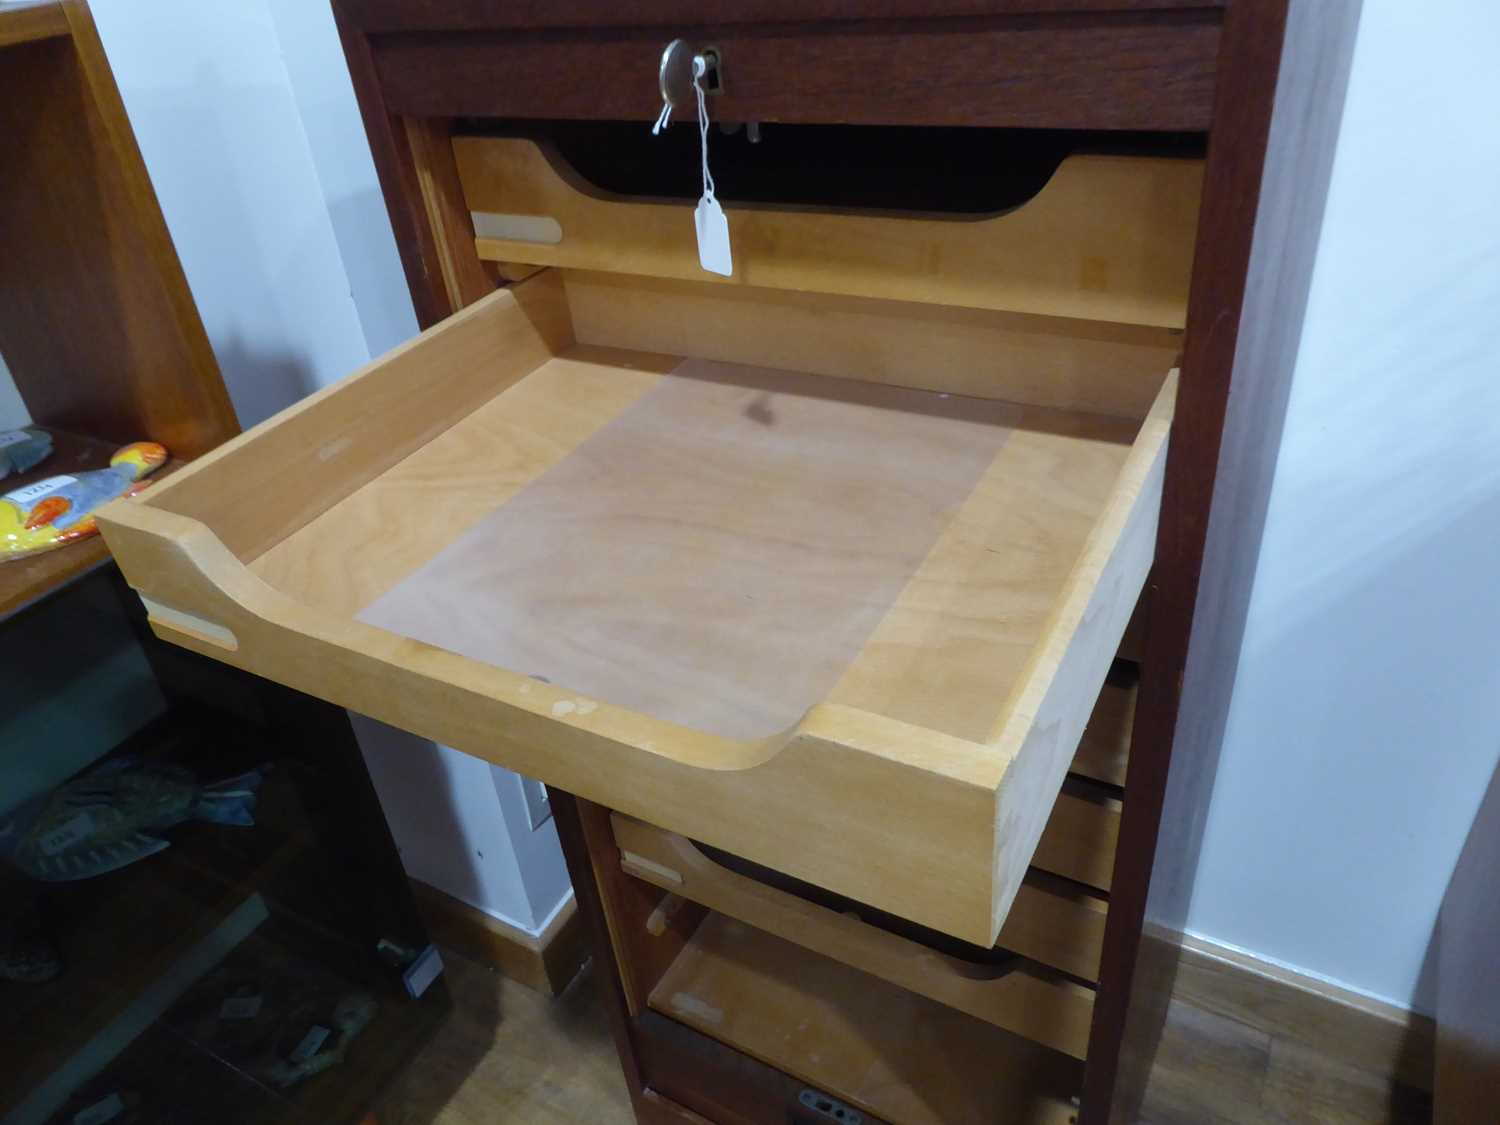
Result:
[[828, 581]]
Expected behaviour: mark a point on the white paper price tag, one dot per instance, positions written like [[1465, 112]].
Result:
[[29, 495], [13, 437], [713, 237], [66, 834]]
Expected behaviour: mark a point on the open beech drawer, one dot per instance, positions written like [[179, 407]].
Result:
[[828, 581]]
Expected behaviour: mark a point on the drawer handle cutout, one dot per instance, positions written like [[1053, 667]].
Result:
[[208, 632], [539, 230]]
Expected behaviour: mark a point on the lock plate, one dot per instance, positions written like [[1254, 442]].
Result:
[[675, 74]]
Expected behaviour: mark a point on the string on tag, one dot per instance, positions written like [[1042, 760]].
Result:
[[712, 227], [699, 69]]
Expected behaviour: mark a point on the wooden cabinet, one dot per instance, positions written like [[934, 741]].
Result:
[[97, 327], [813, 584]]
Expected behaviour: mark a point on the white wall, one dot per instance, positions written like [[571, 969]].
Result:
[[247, 122], [212, 107], [341, 154], [462, 827], [1366, 716]]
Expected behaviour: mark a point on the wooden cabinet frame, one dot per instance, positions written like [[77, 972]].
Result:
[[1263, 78]]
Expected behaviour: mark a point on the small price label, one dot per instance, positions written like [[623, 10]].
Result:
[[66, 834], [423, 971], [105, 1109], [713, 237], [240, 1007], [25, 497], [13, 437], [311, 1043]]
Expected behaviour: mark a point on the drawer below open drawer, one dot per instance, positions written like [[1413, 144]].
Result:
[[846, 618], [880, 1048], [1049, 927]]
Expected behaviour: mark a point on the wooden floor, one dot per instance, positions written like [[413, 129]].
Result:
[[508, 1054]]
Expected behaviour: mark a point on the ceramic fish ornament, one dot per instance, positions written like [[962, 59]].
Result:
[[58, 510], [23, 449], [110, 818]]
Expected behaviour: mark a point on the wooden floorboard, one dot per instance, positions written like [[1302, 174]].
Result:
[[508, 1053]]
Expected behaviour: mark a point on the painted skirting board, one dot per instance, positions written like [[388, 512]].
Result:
[[546, 961], [1347, 1026]]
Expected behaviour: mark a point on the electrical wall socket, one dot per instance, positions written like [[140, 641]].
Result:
[[538, 810]]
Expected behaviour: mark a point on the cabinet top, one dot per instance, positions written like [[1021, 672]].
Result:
[[375, 16]]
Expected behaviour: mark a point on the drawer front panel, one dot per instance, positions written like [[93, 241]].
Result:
[[1080, 839], [1105, 71]]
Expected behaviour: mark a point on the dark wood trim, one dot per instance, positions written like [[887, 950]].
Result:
[[474, 15], [1247, 68], [464, 276], [1466, 1058], [1264, 193], [1146, 71]]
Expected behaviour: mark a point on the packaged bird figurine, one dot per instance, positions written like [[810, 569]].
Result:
[[49, 513]]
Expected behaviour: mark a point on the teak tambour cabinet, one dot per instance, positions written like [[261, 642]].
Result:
[[811, 584]]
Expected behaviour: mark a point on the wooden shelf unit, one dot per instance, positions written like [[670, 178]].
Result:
[[98, 327]]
